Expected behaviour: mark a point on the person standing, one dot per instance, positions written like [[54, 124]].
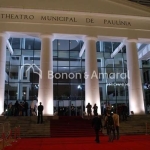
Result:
[[124, 112], [109, 124], [116, 125], [89, 112], [72, 110], [95, 107], [16, 106], [40, 113], [97, 125], [26, 107], [33, 107]]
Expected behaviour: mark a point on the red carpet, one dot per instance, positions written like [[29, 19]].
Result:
[[139, 142], [71, 127]]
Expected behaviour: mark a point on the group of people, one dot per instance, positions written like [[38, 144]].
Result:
[[111, 124], [89, 110], [21, 109], [122, 111], [18, 109]]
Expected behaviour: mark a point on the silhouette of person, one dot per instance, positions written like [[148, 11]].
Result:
[[97, 125], [95, 107], [116, 125], [109, 124], [72, 110], [40, 113], [26, 107], [16, 108], [89, 106], [124, 112]]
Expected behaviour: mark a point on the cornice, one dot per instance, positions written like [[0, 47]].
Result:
[[69, 12], [4, 34], [132, 40], [131, 4], [90, 38], [46, 36]]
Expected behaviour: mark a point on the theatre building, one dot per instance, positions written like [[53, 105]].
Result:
[[75, 52]]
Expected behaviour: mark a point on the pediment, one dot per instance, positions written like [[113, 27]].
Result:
[[116, 7]]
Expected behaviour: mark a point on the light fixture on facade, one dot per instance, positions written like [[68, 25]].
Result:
[[79, 87], [36, 86]]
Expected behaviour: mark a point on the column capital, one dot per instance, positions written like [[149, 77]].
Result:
[[4, 34], [47, 36], [91, 38], [132, 40]]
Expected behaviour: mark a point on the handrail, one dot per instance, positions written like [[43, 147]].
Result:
[[7, 136], [7, 125]]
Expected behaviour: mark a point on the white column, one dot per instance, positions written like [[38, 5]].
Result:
[[3, 39], [92, 93], [103, 70], [45, 93], [28, 75], [104, 91], [21, 69], [19, 91], [101, 46], [103, 78], [23, 43], [20, 80], [136, 101]]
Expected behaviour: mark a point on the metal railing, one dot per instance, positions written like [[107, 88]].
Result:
[[8, 135]]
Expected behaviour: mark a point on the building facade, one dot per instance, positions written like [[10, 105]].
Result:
[[62, 53]]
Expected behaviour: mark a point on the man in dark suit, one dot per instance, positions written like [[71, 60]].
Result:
[[72, 110], [25, 107], [97, 125], [124, 112], [40, 113]]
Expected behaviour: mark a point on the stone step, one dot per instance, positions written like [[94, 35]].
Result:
[[30, 128], [28, 125]]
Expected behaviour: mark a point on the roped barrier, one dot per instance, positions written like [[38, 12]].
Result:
[[8, 136], [147, 128]]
